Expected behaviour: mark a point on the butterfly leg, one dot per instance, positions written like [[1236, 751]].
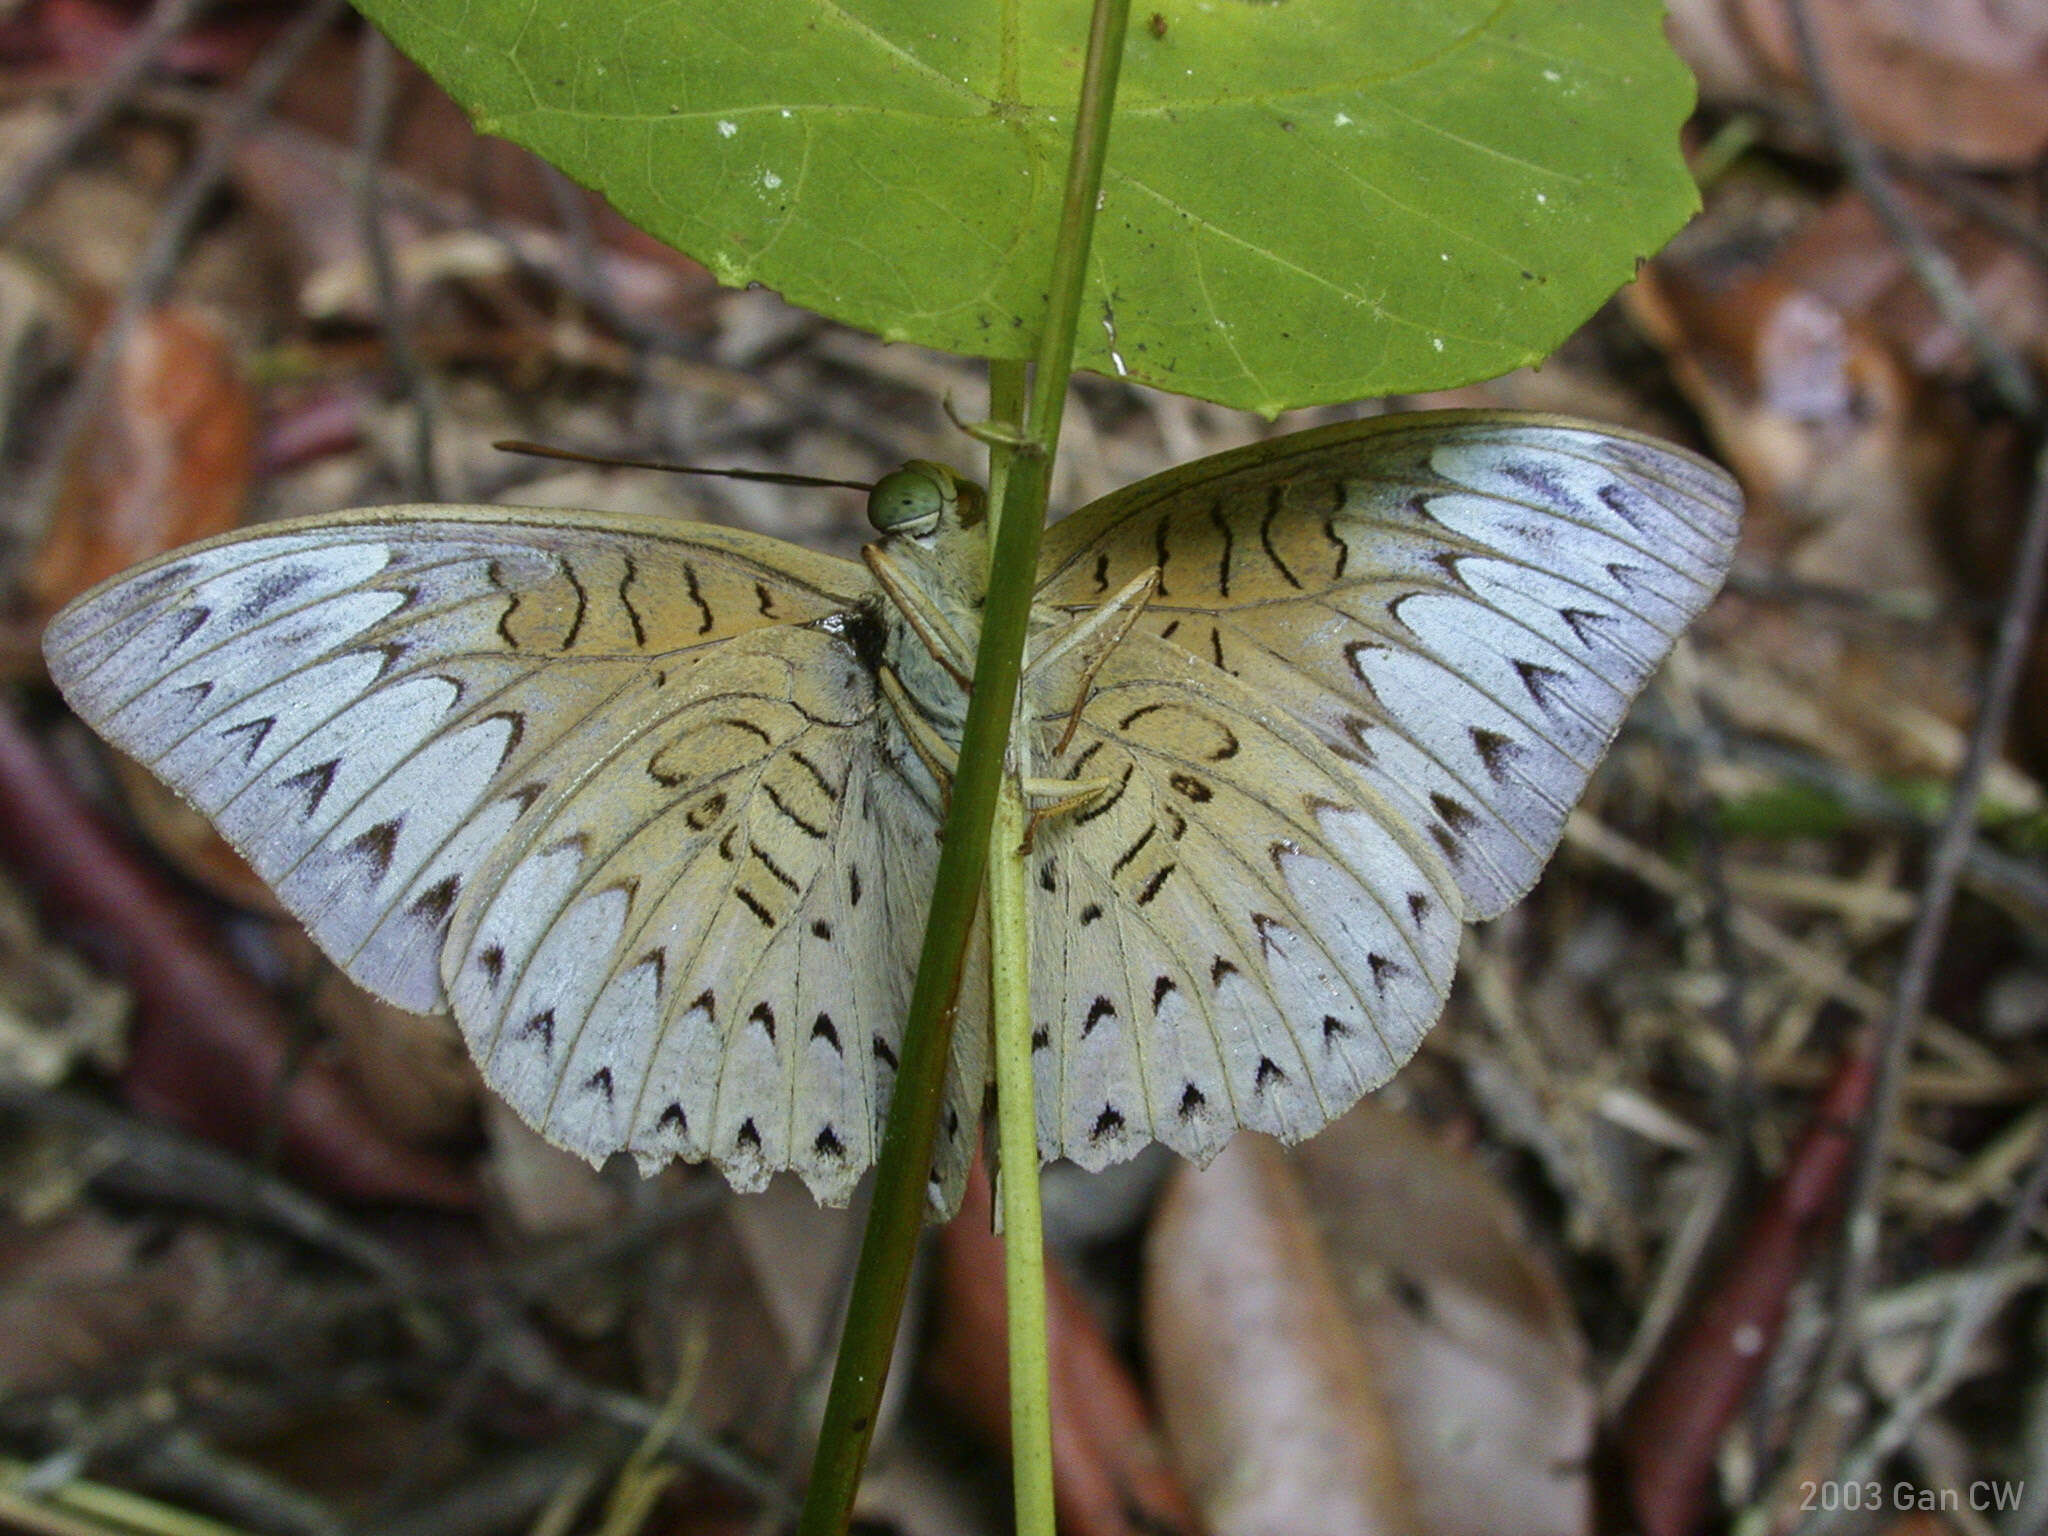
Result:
[[926, 619], [943, 760], [1065, 667]]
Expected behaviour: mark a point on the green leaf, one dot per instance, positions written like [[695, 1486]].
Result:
[[1307, 200]]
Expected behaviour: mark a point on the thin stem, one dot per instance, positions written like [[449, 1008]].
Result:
[[1945, 865], [1017, 1137], [376, 89], [108, 93], [896, 1214]]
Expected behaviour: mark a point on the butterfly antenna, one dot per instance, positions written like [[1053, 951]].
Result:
[[770, 476]]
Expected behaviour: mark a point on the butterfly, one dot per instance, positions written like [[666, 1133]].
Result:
[[654, 807]]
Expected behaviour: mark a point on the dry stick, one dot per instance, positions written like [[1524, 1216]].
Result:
[[2016, 628], [159, 264], [1923, 949], [1938, 274], [374, 94], [1970, 1311], [210, 1179], [107, 94]]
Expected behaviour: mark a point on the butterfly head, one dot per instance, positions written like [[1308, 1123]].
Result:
[[921, 498]]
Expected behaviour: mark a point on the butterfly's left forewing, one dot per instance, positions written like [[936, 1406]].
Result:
[[1458, 605]]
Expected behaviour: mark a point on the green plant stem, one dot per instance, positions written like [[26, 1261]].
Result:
[[1009, 914], [896, 1212]]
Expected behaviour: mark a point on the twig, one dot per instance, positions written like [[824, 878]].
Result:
[[525, 1359], [1923, 948], [374, 91], [107, 94], [183, 1466], [1940, 276], [174, 229], [1991, 1283], [198, 1175]]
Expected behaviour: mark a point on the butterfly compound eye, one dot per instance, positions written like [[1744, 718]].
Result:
[[912, 500]]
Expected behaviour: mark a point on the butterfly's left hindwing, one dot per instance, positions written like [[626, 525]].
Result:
[[1232, 934], [608, 787]]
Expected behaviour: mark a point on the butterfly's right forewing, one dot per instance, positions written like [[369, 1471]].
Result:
[[613, 767]]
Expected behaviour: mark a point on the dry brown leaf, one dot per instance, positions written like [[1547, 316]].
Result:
[[1963, 80], [1357, 1337], [1273, 1406], [1473, 1341]]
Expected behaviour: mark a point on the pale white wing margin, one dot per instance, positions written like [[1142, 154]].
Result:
[[1458, 605], [399, 717]]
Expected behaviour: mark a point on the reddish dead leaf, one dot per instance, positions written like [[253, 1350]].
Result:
[[168, 463], [1108, 1475], [209, 1049], [1274, 1408], [1676, 1423], [1953, 80]]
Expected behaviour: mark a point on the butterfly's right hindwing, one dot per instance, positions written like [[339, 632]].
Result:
[[615, 770]]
